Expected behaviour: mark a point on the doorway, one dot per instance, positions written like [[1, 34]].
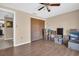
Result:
[[37, 27], [6, 28]]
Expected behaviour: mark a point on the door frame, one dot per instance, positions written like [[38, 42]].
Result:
[[14, 22]]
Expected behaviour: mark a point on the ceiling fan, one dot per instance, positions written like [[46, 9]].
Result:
[[47, 5]]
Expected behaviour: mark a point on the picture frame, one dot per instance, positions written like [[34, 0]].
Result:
[[9, 24]]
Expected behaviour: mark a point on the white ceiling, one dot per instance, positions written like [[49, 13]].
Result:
[[32, 8], [5, 14]]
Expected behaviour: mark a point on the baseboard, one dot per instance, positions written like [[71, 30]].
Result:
[[21, 44]]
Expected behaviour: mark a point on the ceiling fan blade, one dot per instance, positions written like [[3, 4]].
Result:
[[41, 8], [44, 3], [54, 4], [48, 9]]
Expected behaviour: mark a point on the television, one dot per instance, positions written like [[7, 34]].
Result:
[[60, 31]]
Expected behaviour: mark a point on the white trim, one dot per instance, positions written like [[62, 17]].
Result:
[[14, 22], [14, 29], [7, 10], [21, 44]]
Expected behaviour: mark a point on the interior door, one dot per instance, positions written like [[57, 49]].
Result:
[[36, 29]]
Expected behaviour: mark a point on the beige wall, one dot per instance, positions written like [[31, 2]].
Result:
[[67, 21], [23, 27], [23, 30]]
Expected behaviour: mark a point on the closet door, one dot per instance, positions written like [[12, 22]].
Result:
[[36, 29]]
